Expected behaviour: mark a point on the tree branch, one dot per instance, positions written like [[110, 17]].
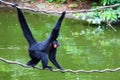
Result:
[[50, 12]]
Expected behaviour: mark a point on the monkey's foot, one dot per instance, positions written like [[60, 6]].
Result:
[[48, 67]]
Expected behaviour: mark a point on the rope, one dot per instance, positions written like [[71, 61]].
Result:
[[58, 70]]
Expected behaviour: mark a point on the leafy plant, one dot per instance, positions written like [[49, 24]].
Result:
[[105, 2], [109, 15], [106, 16], [31, 1], [108, 2], [57, 1]]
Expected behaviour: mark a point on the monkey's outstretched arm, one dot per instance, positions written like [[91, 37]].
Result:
[[55, 32], [26, 31]]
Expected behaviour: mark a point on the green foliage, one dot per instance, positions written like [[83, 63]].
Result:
[[79, 0], [108, 2], [118, 12], [32, 1], [57, 1], [107, 15], [73, 5], [50, 1], [91, 17], [105, 2]]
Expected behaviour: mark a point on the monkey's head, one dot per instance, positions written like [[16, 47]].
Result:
[[56, 44]]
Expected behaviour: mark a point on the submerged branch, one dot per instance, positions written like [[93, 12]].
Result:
[[50, 12], [57, 70], [111, 27]]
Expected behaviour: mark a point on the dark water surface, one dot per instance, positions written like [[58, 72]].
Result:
[[82, 48]]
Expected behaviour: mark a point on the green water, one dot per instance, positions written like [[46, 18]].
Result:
[[82, 48]]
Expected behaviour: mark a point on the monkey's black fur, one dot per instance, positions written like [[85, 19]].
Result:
[[39, 50]]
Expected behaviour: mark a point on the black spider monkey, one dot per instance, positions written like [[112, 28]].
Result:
[[39, 50]]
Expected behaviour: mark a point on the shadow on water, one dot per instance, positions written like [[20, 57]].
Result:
[[82, 47]]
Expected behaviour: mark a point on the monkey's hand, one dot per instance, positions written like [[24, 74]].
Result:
[[14, 5]]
